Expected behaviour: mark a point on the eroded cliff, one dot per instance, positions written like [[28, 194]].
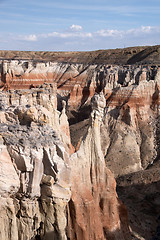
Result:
[[56, 190], [94, 209], [34, 174], [43, 184]]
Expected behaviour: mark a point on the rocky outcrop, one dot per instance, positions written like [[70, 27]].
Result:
[[131, 117], [35, 186], [76, 82], [43, 189], [38, 105], [131, 127], [34, 175], [94, 209]]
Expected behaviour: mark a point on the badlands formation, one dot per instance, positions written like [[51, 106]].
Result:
[[71, 126]]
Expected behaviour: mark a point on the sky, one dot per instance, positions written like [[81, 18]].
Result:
[[83, 25]]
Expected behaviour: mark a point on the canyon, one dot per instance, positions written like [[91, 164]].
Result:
[[71, 126]]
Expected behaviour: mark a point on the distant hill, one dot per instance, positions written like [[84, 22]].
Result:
[[123, 56]]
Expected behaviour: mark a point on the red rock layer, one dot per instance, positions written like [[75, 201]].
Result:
[[26, 82], [135, 96], [79, 82]]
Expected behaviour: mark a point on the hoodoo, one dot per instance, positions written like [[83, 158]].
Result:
[[94, 209]]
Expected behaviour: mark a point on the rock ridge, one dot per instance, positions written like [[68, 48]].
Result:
[[122, 56]]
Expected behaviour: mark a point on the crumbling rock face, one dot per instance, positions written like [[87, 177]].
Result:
[[38, 176], [94, 209], [76, 82], [131, 122], [130, 133], [35, 183], [122, 135], [34, 173], [130, 144], [38, 105]]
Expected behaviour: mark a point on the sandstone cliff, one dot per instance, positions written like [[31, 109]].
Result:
[[131, 127], [41, 184], [34, 175], [52, 192], [94, 210]]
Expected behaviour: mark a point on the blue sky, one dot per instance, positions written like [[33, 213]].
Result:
[[78, 25]]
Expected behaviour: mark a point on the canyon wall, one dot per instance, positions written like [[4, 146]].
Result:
[[76, 81], [43, 183], [34, 173], [131, 127], [51, 189], [95, 211], [132, 103]]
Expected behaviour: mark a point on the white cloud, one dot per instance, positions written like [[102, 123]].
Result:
[[108, 33], [146, 29], [67, 34], [76, 27], [74, 40], [137, 32], [20, 38], [31, 37]]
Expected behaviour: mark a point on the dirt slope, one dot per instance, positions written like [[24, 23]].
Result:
[[131, 55]]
